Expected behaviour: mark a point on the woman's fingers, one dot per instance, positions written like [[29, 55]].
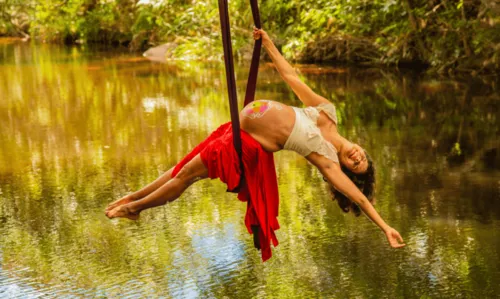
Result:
[[396, 244], [395, 239], [258, 32], [256, 35], [400, 239]]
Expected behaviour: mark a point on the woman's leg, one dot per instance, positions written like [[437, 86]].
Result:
[[190, 173], [163, 179], [150, 188]]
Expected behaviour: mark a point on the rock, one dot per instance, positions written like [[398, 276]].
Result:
[[160, 53]]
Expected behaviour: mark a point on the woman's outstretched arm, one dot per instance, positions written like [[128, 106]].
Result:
[[304, 92], [334, 175]]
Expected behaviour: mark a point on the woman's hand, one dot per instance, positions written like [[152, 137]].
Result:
[[259, 33], [394, 238]]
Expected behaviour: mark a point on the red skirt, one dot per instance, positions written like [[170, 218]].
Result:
[[260, 187]]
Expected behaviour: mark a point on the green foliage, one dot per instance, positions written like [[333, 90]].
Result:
[[442, 34], [83, 21], [14, 18]]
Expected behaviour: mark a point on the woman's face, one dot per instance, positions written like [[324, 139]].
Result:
[[354, 158]]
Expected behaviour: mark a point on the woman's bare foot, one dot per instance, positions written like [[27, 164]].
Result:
[[122, 211], [122, 201]]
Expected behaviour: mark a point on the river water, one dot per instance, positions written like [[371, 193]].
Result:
[[80, 128]]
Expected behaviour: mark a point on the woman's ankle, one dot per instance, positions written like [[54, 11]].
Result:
[[133, 209], [134, 197]]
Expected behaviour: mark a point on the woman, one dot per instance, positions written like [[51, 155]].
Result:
[[311, 132]]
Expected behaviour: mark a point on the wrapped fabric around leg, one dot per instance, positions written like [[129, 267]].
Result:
[[259, 188]]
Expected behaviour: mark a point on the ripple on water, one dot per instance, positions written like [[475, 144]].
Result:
[[74, 139]]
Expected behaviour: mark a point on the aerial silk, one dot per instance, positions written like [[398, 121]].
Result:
[[231, 82], [228, 61], [254, 67], [259, 188]]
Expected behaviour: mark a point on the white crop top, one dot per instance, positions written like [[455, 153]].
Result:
[[306, 136]]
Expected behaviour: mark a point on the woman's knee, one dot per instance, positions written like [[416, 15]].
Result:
[[192, 171], [185, 174]]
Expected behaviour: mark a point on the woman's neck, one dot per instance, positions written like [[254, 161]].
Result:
[[329, 131], [339, 142]]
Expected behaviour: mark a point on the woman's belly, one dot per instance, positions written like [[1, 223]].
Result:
[[268, 122]]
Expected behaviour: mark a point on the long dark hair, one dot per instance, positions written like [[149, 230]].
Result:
[[365, 182]]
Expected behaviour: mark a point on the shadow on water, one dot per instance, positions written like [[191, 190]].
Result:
[[80, 128]]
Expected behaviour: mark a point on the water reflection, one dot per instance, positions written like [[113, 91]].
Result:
[[81, 127]]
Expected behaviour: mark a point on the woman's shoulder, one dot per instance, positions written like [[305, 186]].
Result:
[[329, 109]]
